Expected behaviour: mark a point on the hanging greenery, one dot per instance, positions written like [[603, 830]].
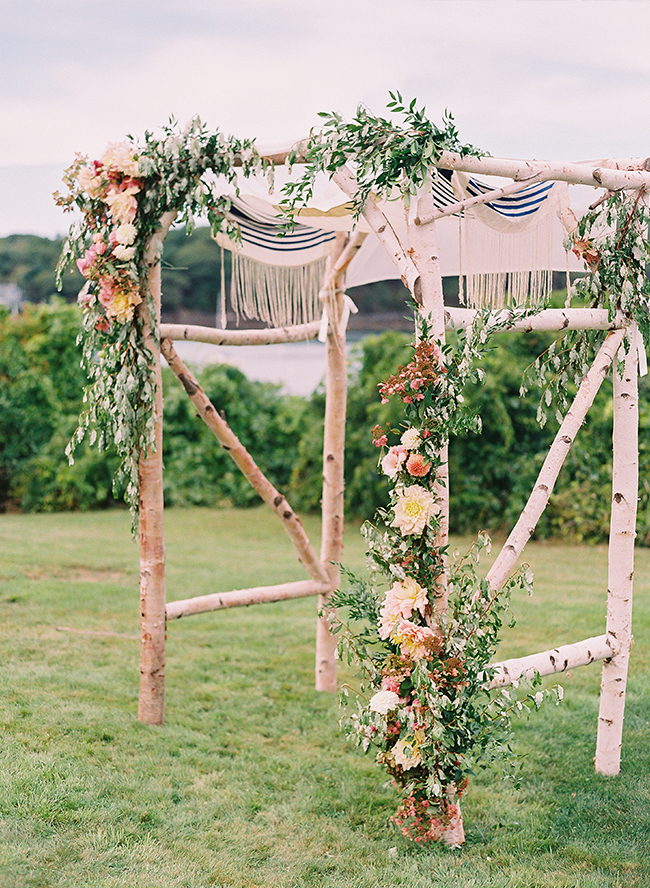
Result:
[[122, 197], [612, 239]]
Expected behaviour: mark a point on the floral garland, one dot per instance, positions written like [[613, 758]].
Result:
[[122, 197], [424, 702]]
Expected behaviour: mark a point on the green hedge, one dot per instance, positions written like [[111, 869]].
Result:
[[491, 474]]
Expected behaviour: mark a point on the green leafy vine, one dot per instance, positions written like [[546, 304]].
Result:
[[612, 240], [388, 160]]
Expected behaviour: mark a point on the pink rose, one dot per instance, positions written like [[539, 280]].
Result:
[[393, 461], [86, 263]]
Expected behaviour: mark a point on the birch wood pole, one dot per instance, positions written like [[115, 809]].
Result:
[[203, 604], [598, 175], [549, 319], [382, 227], [523, 529], [625, 481], [424, 244], [521, 533], [333, 464], [151, 704], [236, 450], [265, 336]]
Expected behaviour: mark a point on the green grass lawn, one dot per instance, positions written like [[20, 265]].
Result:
[[249, 782]]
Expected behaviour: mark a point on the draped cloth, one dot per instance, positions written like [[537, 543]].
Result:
[[506, 246], [503, 251], [276, 272]]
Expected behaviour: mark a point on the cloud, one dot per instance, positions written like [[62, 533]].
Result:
[[560, 80]]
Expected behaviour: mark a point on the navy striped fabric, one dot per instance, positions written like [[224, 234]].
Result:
[[513, 206], [266, 232]]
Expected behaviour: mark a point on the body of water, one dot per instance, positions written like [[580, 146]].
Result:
[[298, 366]]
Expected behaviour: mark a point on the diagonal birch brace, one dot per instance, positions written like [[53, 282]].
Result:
[[203, 604], [560, 659], [538, 499], [231, 443]]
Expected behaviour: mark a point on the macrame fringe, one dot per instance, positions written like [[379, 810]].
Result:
[[276, 294], [516, 266]]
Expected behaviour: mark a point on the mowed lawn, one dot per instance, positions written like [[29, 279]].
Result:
[[249, 782]]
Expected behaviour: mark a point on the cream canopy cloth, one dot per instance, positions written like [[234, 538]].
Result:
[[502, 251]]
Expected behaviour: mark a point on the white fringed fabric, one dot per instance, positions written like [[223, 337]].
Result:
[[279, 295], [506, 245], [276, 273]]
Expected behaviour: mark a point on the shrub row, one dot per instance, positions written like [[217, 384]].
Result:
[[491, 474]]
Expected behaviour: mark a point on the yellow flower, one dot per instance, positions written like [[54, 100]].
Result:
[[413, 509], [406, 754], [122, 305]]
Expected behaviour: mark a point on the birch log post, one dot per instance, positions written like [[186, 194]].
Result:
[[549, 319], [151, 704], [560, 659], [238, 453], [538, 499], [333, 464], [424, 250], [625, 481]]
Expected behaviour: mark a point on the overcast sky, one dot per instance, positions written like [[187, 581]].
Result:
[[551, 79]]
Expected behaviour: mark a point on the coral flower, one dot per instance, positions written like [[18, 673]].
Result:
[[417, 466], [415, 641]]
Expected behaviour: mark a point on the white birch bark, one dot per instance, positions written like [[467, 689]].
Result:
[[549, 319], [425, 253], [203, 604], [384, 231], [625, 481], [560, 659], [214, 336], [523, 529], [236, 450], [612, 174], [151, 704], [333, 460], [594, 174]]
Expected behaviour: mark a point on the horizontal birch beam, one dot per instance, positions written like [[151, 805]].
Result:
[[597, 175], [560, 659], [203, 604], [247, 465], [513, 547], [612, 174], [214, 336], [549, 319]]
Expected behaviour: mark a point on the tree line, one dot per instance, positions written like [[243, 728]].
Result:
[[191, 275]]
